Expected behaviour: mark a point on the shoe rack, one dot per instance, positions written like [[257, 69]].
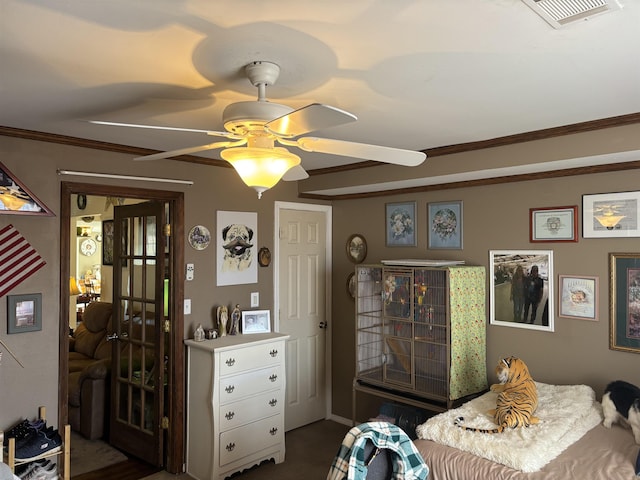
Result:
[[65, 452]]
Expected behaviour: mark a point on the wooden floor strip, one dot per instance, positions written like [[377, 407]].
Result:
[[132, 469]]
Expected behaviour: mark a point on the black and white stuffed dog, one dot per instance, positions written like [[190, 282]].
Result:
[[621, 403]]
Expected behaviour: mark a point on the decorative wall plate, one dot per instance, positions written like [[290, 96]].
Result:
[[199, 237], [264, 257]]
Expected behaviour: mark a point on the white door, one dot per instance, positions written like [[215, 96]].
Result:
[[302, 302]]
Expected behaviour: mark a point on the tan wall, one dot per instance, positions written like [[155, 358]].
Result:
[[35, 164], [496, 218]]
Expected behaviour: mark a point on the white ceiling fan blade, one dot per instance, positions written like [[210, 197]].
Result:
[[188, 150], [295, 173], [396, 156], [308, 119], [156, 127]]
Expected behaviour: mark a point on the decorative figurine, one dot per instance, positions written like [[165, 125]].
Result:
[[223, 318], [198, 335], [234, 328]]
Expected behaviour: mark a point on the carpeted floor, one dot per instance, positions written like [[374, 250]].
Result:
[[89, 455]]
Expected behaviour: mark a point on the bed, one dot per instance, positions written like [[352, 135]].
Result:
[[569, 443]]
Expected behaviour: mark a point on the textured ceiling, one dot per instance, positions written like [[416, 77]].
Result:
[[418, 74]]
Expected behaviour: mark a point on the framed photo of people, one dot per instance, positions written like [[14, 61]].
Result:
[[521, 292]]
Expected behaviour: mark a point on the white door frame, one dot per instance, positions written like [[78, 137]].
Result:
[[328, 211]]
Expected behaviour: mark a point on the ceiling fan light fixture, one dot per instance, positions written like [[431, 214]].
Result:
[[260, 168]]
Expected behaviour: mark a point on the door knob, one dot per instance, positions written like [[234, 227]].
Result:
[[323, 325], [113, 336]]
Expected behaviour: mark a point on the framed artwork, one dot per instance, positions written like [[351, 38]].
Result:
[[445, 225], [351, 285], [24, 313], [578, 297], [15, 198], [624, 269], [400, 220], [521, 289], [608, 215], [199, 237], [554, 224], [356, 248], [256, 321], [264, 257], [236, 251]]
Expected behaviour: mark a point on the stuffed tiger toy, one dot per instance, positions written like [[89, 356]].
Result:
[[517, 397]]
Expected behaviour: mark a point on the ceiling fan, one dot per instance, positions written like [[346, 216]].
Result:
[[254, 127]]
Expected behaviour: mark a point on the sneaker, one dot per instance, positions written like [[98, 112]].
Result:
[[24, 429], [44, 442], [30, 432], [25, 469], [48, 472]]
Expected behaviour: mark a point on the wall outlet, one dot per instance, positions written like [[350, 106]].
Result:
[[190, 271], [255, 299], [187, 306]]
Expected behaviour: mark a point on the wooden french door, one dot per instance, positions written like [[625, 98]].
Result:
[[138, 370]]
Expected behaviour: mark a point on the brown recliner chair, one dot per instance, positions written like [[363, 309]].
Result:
[[89, 367]]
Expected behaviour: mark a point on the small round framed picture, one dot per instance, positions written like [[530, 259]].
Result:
[[351, 285], [356, 248], [199, 237]]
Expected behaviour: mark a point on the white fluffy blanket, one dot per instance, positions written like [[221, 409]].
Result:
[[566, 413]]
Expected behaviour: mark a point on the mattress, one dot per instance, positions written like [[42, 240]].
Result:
[[601, 454]]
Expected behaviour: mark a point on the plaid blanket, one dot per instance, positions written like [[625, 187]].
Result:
[[350, 462]]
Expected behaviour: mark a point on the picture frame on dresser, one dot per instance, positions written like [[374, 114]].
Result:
[[256, 321], [624, 274]]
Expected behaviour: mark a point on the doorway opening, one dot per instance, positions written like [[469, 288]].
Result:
[[169, 324]]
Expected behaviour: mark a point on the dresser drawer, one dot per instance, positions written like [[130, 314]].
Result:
[[242, 441], [249, 358], [237, 387], [250, 409]]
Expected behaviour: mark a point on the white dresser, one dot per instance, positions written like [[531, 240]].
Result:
[[235, 403]]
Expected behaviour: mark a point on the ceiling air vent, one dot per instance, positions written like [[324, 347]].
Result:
[[559, 13]]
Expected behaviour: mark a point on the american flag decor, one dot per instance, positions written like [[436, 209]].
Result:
[[18, 259]]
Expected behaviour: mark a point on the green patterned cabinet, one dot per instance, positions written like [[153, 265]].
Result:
[[421, 332]]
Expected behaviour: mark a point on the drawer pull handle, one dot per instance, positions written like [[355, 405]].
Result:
[[229, 415], [273, 352], [273, 402], [273, 431], [273, 377], [230, 447], [230, 389], [230, 362]]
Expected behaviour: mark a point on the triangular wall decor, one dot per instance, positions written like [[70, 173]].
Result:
[[17, 199]]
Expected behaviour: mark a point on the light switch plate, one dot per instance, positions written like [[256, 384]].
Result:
[[187, 306], [255, 299]]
